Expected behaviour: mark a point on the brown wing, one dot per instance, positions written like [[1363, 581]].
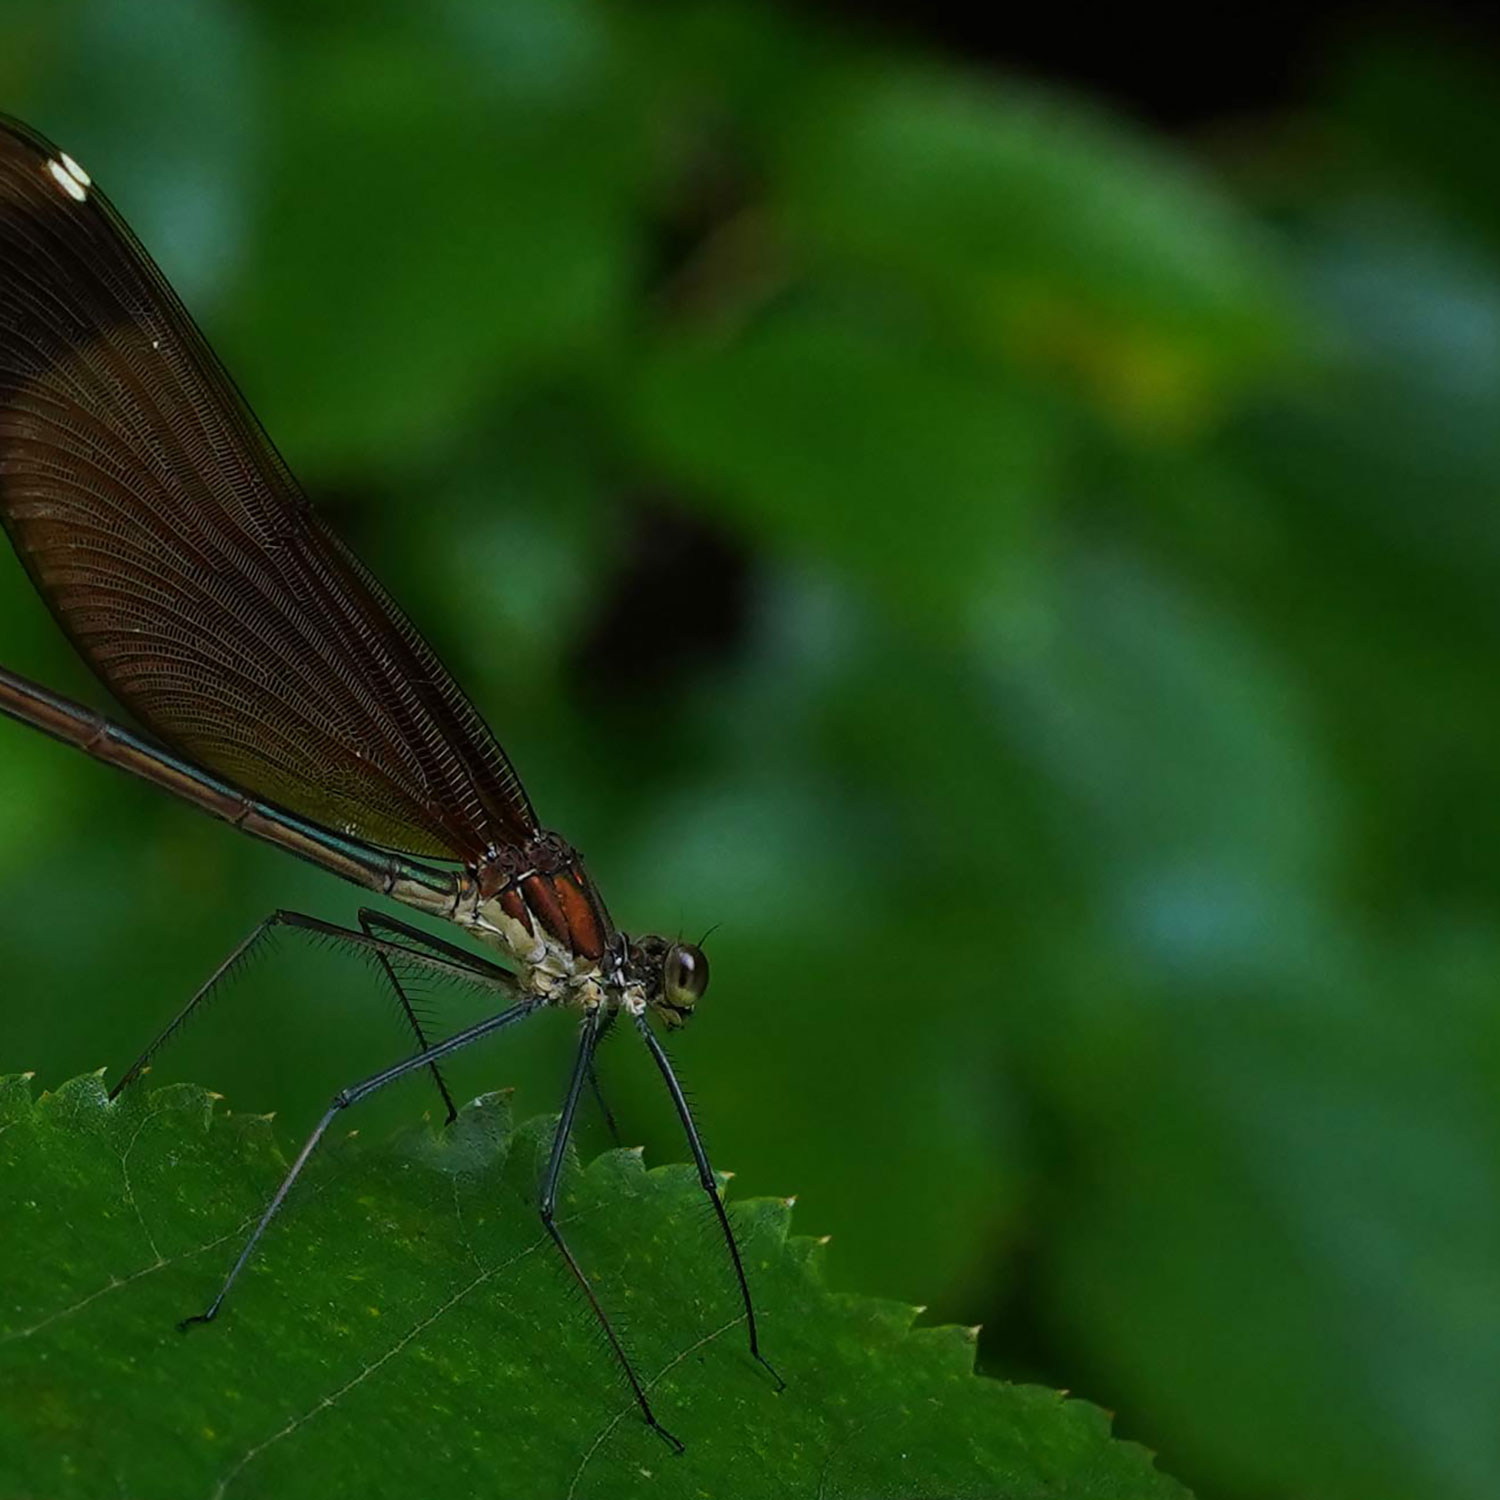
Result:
[[183, 561]]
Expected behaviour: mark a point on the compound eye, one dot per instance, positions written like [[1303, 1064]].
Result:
[[685, 976]]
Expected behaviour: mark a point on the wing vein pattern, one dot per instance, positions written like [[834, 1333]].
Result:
[[177, 552]]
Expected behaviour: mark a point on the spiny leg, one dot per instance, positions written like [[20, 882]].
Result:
[[341, 1101], [299, 921], [474, 965], [605, 1028], [710, 1187], [374, 923], [592, 1029], [236, 959]]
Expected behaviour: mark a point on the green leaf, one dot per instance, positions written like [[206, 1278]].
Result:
[[891, 455], [408, 1329], [1048, 230]]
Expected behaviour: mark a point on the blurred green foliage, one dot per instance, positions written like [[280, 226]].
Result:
[[1096, 787]]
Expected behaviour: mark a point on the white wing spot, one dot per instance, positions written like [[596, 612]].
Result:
[[66, 180], [76, 172]]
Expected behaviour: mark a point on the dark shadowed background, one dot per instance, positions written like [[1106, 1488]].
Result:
[[1002, 523]]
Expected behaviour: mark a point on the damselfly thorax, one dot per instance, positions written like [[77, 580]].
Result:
[[280, 688]]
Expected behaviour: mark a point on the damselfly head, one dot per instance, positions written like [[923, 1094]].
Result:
[[675, 975]]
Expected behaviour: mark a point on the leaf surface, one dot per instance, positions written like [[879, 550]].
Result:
[[408, 1329]]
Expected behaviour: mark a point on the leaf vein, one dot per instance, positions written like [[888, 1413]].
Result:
[[417, 1329]]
